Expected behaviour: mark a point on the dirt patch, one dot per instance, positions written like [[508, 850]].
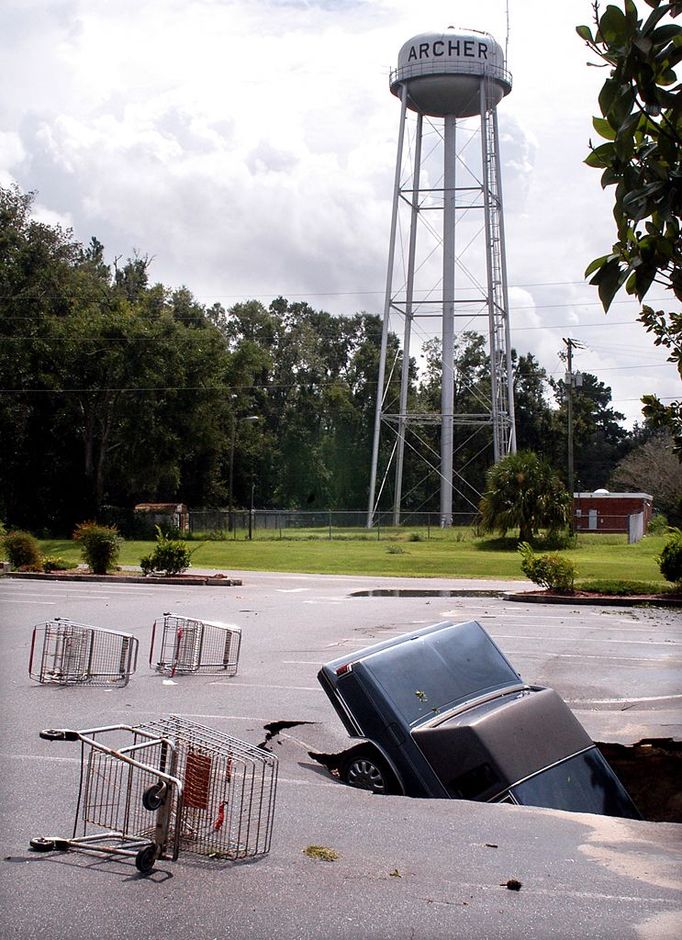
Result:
[[651, 772]]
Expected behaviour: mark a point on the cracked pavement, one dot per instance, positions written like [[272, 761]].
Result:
[[421, 868]]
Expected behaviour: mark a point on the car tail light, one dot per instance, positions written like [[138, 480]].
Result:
[[342, 670]]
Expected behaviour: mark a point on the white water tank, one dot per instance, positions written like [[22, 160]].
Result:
[[443, 73]]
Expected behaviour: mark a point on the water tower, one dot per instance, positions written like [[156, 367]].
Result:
[[447, 221]]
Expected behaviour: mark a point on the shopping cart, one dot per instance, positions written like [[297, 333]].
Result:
[[187, 645], [67, 653], [167, 786]]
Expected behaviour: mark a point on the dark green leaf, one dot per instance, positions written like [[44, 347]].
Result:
[[597, 263], [613, 25], [608, 280], [644, 277], [665, 33], [631, 11], [653, 19], [624, 146], [621, 106], [601, 156], [608, 94]]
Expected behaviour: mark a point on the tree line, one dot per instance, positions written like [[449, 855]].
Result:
[[115, 390]]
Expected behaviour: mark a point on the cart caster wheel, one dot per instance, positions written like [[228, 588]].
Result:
[[42, 845], [145, 859], [154, 796]]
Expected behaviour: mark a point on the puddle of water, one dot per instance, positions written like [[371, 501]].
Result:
[[419, 592]]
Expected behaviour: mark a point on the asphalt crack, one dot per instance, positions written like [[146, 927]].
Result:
[[274, 728]]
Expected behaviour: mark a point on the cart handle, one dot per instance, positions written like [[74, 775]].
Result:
[[59, 735], [66, 734], [151, 645]]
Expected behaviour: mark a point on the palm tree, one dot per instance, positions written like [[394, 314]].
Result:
[[523, 491]]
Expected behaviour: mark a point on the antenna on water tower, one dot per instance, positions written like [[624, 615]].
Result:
[[445, 78], [506, 41]]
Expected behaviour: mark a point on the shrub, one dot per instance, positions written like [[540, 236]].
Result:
[[658, 524], [55, 563], [395, 550], [415, 537], [670, 559], [100, 545], [555, 541], [549, 571], [23, 551], [170, 556]]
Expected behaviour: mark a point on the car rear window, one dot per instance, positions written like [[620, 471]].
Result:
[[582, 784], [430, 674]]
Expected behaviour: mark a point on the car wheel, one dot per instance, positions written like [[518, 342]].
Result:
[[366, 770]]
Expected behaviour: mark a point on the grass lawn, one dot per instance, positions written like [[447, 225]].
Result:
[[598, 558]]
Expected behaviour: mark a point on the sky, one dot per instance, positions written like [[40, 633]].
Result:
[[248, 148]]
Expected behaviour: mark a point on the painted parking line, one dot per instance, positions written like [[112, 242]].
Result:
[[258, 685], [623, 701], [587, 639], [623, 660], [290, 781]]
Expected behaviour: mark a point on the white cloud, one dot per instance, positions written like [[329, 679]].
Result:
[[248, 146]]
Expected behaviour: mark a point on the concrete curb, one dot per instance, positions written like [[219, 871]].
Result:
[[186, 581], [217, 580], [652, 600]]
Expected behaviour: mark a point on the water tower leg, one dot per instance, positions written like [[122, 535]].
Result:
[[448, 388], [387, 312], [409, 300], [511, 440]]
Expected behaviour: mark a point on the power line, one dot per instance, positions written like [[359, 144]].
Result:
[[221, 388], [154, 339], [155, 317]]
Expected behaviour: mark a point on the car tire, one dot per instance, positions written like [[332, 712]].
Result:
[[366, 769]]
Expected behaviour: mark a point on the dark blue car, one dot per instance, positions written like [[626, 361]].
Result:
[[442, 713]]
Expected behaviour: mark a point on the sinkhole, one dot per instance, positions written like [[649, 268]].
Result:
[[650, 771]]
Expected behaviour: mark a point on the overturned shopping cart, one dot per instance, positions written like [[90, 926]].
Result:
[[186, 645], [68, 653], [168, 786]]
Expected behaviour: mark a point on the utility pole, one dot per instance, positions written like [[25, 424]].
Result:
[[572, 380]]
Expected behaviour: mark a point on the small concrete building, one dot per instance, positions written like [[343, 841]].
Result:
[[175, 515], [602, 511]]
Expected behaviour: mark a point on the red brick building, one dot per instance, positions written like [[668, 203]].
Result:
[[602, 511]]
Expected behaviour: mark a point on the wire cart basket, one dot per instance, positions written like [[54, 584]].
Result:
[[67, 653], [168, 786], [187, 645]]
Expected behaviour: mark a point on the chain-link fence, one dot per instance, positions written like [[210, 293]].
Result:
[[222, 524], [277, 523]]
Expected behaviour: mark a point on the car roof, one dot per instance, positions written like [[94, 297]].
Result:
[[433, 668]]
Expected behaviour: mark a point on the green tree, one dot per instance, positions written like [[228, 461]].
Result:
[[113, 391], [599, 439], [523, 491], [311, 378], [532, 410], [641, 124]]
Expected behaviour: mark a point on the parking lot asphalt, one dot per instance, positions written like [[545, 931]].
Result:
[[404, 868]]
